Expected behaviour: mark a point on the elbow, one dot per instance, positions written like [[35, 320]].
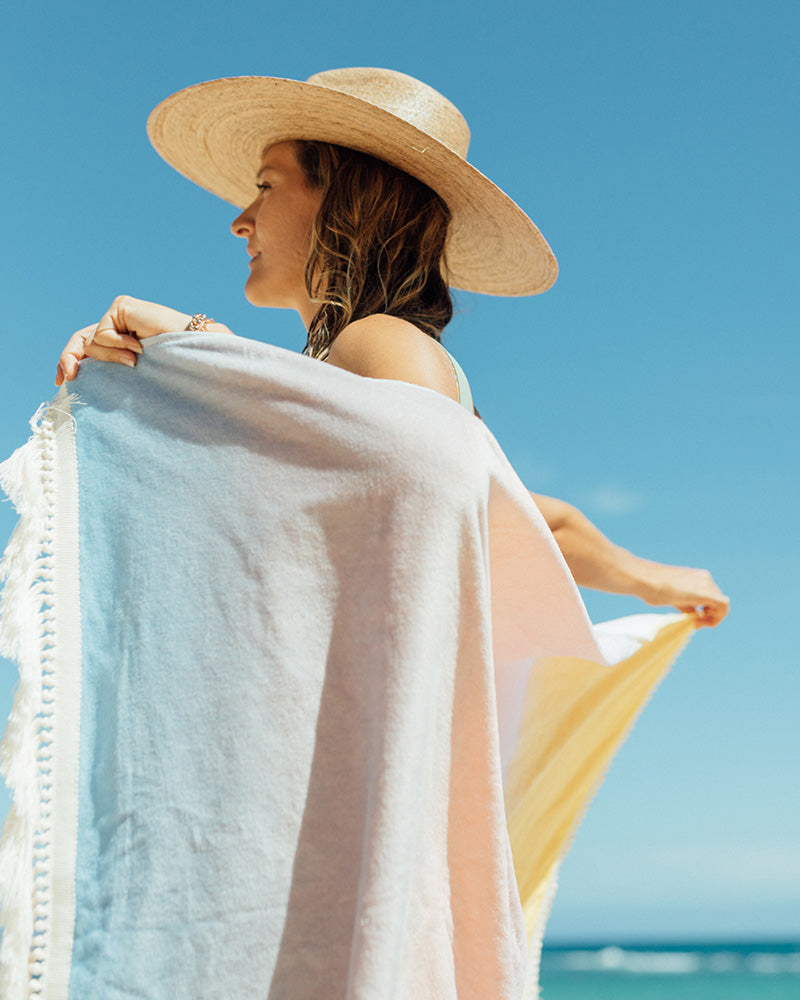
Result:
[[559, 515]]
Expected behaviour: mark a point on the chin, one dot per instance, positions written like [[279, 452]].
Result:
[[257, 296], [268, 298]]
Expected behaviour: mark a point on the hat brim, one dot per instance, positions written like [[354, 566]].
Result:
[[215, 134]]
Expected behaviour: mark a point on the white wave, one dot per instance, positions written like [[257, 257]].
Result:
[[768, 964], [665, 962], [614, 959]]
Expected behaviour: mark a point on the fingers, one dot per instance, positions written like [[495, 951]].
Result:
[[67, 367], [93, 342], [104, 340], [713, 606], [711, 613], [103, 353]]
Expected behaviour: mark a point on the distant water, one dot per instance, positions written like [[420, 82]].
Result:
[[729, 971]]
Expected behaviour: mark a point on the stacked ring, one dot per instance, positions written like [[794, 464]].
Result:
[[199, 322]]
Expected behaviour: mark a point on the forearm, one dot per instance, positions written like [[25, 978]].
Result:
[[594, 560], [597, 562]]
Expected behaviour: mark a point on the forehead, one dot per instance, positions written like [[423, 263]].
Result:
[[279, 157]]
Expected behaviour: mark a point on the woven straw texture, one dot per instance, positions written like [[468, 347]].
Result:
[[215, 134]]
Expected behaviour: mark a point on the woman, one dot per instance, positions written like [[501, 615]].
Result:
[[359, 248], [321, 715]]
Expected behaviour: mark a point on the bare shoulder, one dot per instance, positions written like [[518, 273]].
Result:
[[383, 346]]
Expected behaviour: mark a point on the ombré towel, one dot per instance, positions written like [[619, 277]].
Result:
[[309, 703]]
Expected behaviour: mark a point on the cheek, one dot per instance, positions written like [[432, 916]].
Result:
[[301, 240], [262, 227], [284, 227], [311, 207]]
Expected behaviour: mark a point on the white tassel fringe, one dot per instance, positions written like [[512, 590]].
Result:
[[27, 636]]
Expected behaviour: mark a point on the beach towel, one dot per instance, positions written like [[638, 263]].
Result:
[[309, 704]]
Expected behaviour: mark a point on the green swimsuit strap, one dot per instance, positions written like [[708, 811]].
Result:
[[464, 391]]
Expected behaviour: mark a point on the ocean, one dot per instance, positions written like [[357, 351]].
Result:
[[711, 971]]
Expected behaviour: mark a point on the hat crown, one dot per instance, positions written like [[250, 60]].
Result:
[[404, 97]]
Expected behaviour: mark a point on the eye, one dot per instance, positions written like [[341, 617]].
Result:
[[263, 186]]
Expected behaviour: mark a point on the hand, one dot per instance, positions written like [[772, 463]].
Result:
[[689, 590], [118, 334]]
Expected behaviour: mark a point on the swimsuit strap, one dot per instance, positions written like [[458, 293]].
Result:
[[464, 391]]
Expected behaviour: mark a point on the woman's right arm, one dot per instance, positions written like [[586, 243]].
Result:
[[596, 562], [118, 335]]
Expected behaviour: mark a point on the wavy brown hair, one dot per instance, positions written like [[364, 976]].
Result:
[[377, 245]]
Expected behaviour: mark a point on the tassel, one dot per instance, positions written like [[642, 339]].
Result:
[[27, 637]]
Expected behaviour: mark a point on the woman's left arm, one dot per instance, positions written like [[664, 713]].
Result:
[[598, 563]]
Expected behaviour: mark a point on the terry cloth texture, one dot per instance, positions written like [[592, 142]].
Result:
[[309, 704]]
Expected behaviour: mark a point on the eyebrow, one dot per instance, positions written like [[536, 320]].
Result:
[[265, 169]]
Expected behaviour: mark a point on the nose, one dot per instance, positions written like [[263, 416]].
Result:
[[242, 225]]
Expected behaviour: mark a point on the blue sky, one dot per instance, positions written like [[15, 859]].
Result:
[[656, 146]]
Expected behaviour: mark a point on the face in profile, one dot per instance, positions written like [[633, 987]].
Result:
[[277, 226]]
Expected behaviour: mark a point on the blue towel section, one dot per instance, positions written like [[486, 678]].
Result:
[[183, 798], [203, 677]]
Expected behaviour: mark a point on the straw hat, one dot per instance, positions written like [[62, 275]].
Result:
[[215, 134]]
